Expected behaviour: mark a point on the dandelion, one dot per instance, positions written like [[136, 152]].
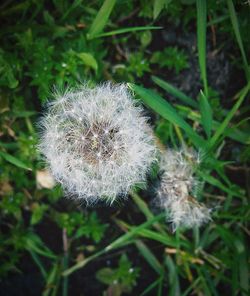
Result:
[[97, 142], [177, 188]]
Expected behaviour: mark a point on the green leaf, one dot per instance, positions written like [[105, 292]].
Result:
[[88, 60], [206, 114], [34, 243], [172, 58], [38, 211], [175, 92], [126, 30], [158, 7], [162, 107], [13, 160], [92, 228], [106, 275], [235, 25], [101, 18], [201, 37]]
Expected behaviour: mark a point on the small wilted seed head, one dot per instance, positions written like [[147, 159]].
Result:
[[96, 142], [177, 188]]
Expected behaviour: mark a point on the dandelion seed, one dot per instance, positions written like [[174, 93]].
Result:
[[92, 158], [177, 188]]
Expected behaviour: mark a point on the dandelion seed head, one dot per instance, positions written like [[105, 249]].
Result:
[[177, 188], [84, 142]]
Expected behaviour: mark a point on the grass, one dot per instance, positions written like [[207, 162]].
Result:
[[63, 43]]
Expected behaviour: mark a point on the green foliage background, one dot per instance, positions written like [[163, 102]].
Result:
[[50, 245]]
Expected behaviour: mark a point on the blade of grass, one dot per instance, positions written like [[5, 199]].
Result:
[[165, 239], [126, 30], [101, 19], [173, 276], [206, 114], [217, 20], [201, 37], [52, 280], [191, 287], [38, 262], [135, 231], [209, 282], [244, 272], [149, 256], [34, 243], [230, 239], [236, 29], [174, 91], [145, 210], [231, 132], [153, 235], [119, 242], [13, 160], [151, 287], [215, 182], [203, 287], [73, 6], [220, 130], [237, 246], [162, 107]]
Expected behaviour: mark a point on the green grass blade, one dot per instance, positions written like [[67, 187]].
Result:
[[33, 243], [191, 287], [235, 25], [101, 18], [216, 183], [162, 107], [243, 272], [232, 132], [119, 242], [52, 279], [201, 37], [145, 210], [221, 129], [38, 262], [174, 91], [153, 235], [151, 287], [149, 256], [206, 114], [173, 277], [134, 231], [88, 59], [126, 30], [13, 160]]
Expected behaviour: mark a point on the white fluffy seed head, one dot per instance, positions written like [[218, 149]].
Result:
[[177, 188], [96, 142]]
